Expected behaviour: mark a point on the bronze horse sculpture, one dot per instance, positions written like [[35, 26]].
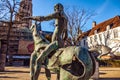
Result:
[[107, 53], [70, 63]]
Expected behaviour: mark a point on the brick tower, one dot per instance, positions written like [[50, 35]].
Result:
[[24, 11]]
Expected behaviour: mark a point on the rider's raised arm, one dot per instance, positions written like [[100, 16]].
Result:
[[36, 18], [45, 18], [50, 16], [55, 15]]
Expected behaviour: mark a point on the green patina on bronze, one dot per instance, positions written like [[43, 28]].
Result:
[[70, 63], [63, 62]]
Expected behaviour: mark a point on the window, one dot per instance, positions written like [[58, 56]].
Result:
[[98, 30], [109, 26], [115, 33], [95, 38], [100, 37], [107, 34], [24, 7], [90, 39]]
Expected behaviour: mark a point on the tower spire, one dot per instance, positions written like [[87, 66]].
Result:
[[24, 10]]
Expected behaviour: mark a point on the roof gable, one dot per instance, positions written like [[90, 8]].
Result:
[[113, 22]]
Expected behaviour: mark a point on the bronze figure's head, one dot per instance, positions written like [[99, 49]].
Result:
[[58, 7]]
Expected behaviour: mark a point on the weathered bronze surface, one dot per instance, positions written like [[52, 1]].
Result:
[[70, 63]]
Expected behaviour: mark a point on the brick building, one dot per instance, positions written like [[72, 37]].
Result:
[[18, 32], [24, 11]]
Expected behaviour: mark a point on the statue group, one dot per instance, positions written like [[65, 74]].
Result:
[[70, 63]]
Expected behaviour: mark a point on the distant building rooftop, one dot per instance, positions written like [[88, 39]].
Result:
[[113, 22]]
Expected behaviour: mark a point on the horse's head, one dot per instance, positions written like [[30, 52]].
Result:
[[104, 51], [32, 27], [96, 49], [34, 30]]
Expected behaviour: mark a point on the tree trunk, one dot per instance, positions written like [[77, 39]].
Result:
[[2, 62]]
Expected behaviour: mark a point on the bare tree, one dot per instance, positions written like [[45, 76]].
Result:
[[77, 19], [8, 9]]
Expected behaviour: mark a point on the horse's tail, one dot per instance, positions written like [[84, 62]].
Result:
[[94, 62], [85, 62], [82, 68]]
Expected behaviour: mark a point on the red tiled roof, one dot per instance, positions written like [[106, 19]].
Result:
[[113, 22], [84, 34]]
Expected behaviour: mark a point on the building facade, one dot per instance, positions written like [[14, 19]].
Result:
[[102, 34], [24, 11], [20, 42], [18, 32]]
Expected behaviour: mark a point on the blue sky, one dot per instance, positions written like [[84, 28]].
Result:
[[105, 9]]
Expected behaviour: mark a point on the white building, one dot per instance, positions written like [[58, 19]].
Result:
[[103, 33]]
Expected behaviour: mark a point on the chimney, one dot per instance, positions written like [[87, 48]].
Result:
[[108, 27], [93, 24]]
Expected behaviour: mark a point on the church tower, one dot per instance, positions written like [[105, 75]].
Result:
[[24, 11]]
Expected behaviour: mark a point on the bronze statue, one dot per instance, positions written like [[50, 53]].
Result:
[[60, 32], [59, 35], [40, 42], [70, 63]]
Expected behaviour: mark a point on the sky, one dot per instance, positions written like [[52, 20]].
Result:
[[105, 9]]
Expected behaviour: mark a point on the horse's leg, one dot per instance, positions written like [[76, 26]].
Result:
[[58, 75], [32, 64], [51, 47], [47, 73], [37, 69]]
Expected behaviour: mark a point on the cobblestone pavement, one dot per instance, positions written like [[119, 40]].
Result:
[[22, 73]]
